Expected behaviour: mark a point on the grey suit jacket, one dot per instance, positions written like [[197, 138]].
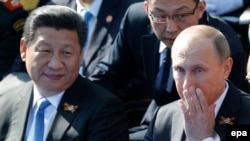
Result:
[[168, 124], [100, 116]]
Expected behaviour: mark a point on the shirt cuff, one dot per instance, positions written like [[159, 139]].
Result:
[[208, 139]]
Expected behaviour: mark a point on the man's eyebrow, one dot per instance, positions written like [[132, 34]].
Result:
[[198, 66], [176, 10], [181, 8]]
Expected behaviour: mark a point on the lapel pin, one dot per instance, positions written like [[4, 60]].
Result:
[[109, 19], [71, 108], [227, 120]]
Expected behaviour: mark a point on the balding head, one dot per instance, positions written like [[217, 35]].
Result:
[[199, 33]]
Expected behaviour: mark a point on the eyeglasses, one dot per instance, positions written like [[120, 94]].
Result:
[[158, 18]]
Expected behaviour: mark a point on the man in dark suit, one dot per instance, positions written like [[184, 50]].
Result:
[[105, 23], [209, 103], [131, 67], [77, 109]]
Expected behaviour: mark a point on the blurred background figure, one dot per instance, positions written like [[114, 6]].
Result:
[[230, 11], [12, 18], [103, 23]]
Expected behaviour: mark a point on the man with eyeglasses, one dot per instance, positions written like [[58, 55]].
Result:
[[130, 69]]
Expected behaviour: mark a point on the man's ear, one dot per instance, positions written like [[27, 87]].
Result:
[[146, 6], [23, 48], [201, 8], [227, 67]]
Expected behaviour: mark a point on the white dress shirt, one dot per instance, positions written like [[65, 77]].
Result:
[[49, 113], [161, 49]]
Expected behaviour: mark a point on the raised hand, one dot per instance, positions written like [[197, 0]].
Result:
[[199, 117]]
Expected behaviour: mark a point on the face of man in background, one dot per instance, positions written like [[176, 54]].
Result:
[[169, 17], [196, 64], [52, 59]]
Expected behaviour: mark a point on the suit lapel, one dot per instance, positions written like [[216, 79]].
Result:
[[177, 132], [64, 116], [101, 30], [20, 112], [96, 43], [61, 123], [229, 107]]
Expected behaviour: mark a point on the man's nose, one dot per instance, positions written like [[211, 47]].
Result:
[[55, 62], [171, 25], [188, 81]]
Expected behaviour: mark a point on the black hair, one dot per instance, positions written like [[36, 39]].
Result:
[[55, 16]]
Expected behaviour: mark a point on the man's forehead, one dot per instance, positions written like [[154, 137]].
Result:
[[191, 50], [176, 3], [191, 58]]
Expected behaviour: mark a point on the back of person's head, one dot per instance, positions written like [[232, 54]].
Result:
[[199, 32], [58, 17]]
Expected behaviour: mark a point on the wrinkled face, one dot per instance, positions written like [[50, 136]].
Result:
[[179, 14], [196, 64], [52, 59]]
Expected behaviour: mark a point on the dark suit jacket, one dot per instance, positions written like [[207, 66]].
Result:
[[168, 125], [246, 2], [100, 116], [130, 68], [105, 32]]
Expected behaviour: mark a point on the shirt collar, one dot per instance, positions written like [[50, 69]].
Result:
[[219, 101], [93, 8], [54, 100], [162, 47]]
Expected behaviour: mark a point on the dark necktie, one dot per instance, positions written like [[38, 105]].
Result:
[[39, 120], [164, 79]]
